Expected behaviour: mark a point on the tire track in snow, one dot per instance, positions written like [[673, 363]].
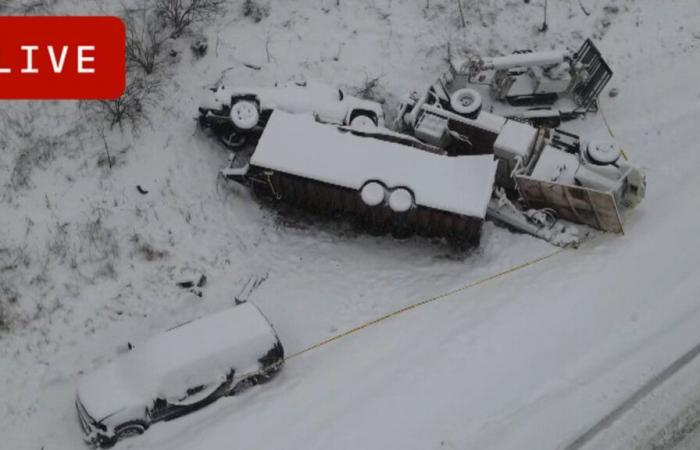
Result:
[[633, 399]]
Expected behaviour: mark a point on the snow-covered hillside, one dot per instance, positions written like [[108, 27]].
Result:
[[528, 361]]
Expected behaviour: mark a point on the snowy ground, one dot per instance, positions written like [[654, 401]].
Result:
[[527, 361]]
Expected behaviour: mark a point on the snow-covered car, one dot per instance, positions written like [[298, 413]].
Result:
[[235, 113], [177, 372]]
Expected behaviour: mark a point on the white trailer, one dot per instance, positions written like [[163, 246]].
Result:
[[387, 184]]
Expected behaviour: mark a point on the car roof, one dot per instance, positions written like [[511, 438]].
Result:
[[198, 352]]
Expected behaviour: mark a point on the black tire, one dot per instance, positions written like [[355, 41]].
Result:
[[269, 374], [129, 429], [364, 113], [232, 139], [262, 378], [104, 441]]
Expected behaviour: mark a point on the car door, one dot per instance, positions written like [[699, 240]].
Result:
[[192, 398]]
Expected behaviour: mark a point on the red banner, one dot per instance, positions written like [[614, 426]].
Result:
[[55, 57]]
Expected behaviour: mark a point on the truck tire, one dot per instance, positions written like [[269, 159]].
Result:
[[373, 193], [465, 101], [245, 115], [603, 153], [232, 139], [400, 200]]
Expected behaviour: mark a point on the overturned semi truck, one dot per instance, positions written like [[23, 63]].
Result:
[[543, 174], [388, 183]]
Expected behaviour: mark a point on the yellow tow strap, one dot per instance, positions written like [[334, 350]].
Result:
[[424, 302], [607, 125]]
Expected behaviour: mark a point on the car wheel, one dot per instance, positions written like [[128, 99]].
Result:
[[232, 139], [241, 386], [103, 441], [245, 115], [465, 101], [363, 121], [130, 429]]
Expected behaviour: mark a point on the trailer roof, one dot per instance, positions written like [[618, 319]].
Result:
[[298, 145]]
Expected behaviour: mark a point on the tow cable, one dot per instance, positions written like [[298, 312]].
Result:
[[425, 302]]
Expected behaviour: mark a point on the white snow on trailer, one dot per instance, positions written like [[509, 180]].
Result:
[[298, 145]]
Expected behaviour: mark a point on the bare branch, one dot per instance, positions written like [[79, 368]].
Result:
[[180, 14], [144, 39]]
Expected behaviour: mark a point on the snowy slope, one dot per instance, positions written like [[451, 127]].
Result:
[[527, 361]]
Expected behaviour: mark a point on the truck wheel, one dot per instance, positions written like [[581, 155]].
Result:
[[603, 153], [465, 101], [245, 115], [372, 193], [400, 200], [232, 139]]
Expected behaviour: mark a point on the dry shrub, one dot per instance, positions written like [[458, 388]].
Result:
[[255, 10], [27, 7], [36, 153], [103, 245], [180, 14], [145, 37], [146, 250], [141, 92]]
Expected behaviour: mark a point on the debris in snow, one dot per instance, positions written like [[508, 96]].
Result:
[[146, 250], [614, 92], [141, 190], [252, 66], [255, 10], [249, 287], [199, 47], [194, 285]]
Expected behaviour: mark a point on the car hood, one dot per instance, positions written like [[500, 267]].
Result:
[[104, 393]]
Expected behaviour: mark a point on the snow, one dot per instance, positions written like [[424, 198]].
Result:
[[529, 360], [556, 165], [400, 200], [373, 193], [298, 145], [515, 140], [525, 60]]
